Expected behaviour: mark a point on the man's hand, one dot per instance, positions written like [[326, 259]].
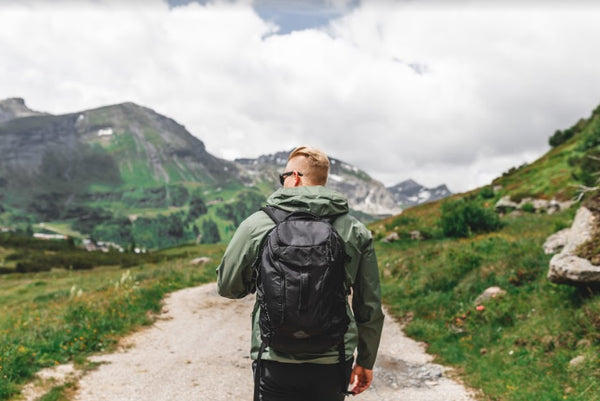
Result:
[[360, 379]]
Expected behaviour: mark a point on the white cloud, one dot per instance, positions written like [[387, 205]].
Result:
[[442, 94]]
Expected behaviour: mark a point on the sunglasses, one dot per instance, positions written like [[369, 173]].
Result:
[[285, 175]]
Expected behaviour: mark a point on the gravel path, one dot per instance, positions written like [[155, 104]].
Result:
[[198, 350]]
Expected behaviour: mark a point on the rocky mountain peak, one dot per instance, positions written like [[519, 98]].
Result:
[[411, 193], [15, 107]]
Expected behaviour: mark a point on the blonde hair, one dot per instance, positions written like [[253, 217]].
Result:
[[317, 161]]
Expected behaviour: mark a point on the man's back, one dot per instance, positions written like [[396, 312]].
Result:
[[236, 279]]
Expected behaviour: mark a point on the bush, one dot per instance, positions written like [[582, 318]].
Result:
[[528, 207], [210, 232], [561, 137], [197, 208], [486, 192], [461, 219]]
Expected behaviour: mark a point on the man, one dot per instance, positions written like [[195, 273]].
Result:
[[315, 377]]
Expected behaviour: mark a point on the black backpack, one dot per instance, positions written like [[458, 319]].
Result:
[[301, 287], [301, 283]]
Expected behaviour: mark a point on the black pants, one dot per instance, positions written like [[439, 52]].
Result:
[[301, 381]]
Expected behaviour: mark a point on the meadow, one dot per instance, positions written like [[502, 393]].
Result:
[[539, 341], [53, 317]]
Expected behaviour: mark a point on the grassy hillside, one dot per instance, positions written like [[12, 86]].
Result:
[[538, 341]]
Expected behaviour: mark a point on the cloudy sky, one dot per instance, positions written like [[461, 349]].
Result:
[[452, 92]]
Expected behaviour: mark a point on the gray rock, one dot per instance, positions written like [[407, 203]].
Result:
[[505, 205], [416, 235], [557, 241], [571, 269], [200, 261], [490, 293], [578, 360], [391, 237], [568, 268]]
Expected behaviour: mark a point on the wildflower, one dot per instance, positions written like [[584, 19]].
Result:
[[480, 307]]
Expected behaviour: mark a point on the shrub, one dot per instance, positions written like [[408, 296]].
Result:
[[486, 192], [210, 232], [561, 137], [461, 219], [528, 207]]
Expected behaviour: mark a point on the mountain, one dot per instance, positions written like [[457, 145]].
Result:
[[121, 145], [120, 173], [410, 193], [109, 172], [15, 108], [365, 194], [128, 174]]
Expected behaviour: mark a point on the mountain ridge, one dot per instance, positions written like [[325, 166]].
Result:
[[410, 193], [15, 107], [99, 170]]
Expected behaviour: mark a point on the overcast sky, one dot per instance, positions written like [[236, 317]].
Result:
[[451, 92]]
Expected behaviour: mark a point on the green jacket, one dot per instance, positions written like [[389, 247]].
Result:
[[235, 272]]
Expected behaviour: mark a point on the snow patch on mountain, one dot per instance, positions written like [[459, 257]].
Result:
[[410, 193]]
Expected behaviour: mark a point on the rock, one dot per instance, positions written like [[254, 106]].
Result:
[[540, 205], [416, 235], [505, 205], [391, 237], [568, 268], [578, 360], [571, 269], [557, 241], [492, 292], [200, 261]]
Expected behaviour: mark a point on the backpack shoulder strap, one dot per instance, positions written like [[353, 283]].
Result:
[[276, 214], [333, 217]]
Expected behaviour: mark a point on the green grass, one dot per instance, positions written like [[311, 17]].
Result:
[[54, 317], [518, 347]]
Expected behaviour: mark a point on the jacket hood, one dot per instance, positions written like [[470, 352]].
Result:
[[317, 200]]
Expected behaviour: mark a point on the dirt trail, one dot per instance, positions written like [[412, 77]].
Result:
[[198, 350]]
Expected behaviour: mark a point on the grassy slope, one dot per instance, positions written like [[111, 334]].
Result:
[[517, 347]]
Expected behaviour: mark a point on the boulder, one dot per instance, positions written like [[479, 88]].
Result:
[[505, 205], [492, 292], [571, 269], [391, 237], [200, 261], [557, 241], [416, 235], [578, 360], [566, 267]]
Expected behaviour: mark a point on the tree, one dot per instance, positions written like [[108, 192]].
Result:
[[210, 232], [197, 208]]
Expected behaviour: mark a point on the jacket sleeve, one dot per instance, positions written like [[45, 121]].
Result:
[[234, 274], [366, 304]]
